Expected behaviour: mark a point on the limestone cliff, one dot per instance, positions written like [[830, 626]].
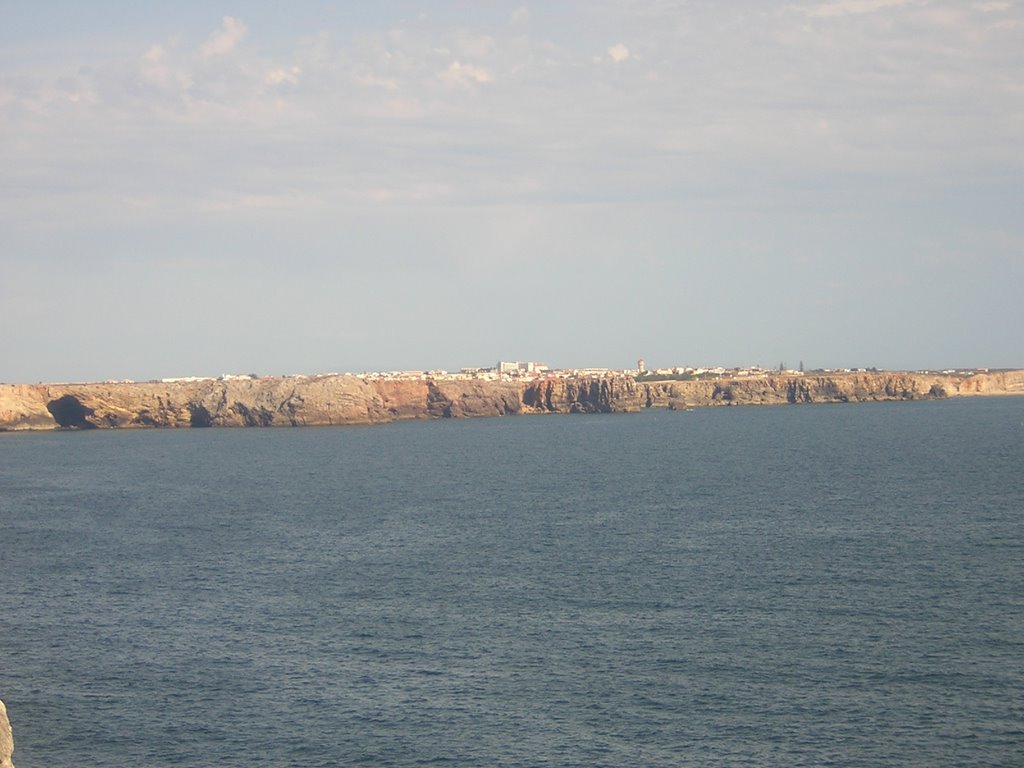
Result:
[[6, 739], [584, 395], [325, 400], [443, 398], [829, 388]]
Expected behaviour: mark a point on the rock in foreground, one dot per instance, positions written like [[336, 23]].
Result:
[[6, 739]]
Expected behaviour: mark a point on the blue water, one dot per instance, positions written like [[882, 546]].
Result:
[[776, 586]]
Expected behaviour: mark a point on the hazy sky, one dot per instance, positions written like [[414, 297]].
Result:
[[271, 187]]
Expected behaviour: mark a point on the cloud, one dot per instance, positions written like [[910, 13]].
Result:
[[996, 6], [619, 53], [288, 202], [282, 75], [474, 46], [373, 81], [225, 40], [744, 95], [465, 75], [157, 71], [520, 15], [856, 7], [155, 54]]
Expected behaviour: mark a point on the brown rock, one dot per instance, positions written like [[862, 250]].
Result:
[[6, 739], [323, 400], [23, 407]]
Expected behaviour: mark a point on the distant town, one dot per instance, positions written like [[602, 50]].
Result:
[[529, 371]]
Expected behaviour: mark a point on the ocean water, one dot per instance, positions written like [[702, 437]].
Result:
[[774, 586]]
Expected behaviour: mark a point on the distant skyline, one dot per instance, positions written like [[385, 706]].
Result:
[[191, 189]]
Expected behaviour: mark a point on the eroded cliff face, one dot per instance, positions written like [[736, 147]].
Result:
[[449, 399], [327, 400], [6, 739], [24, 407], [837, 388], [584, 395], [995, 383], [235, 403]]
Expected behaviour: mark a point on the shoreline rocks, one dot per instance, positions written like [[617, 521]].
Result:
[[6, 739]]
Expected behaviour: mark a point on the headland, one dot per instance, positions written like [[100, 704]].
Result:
[[336, 399]]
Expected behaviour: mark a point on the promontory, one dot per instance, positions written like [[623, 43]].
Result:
[[253, 401]]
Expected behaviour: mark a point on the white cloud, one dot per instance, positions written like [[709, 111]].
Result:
[[855, 7], [996, 6], [155, 54], [288, 202], [157, 71], [282, 75], [373, 81], [417, 192], [753, 89], [465, 75], [474, 46], [225, 40], [520, 15], [619, 53]]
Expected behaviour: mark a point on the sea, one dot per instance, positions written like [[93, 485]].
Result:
[[739, 586]]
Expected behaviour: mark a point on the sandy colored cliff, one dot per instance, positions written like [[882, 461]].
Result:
[[329, 400], [6, 739]]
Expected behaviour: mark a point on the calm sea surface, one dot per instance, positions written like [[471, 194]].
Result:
[[775, 586]]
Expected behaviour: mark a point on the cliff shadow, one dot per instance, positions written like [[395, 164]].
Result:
[[199, 416], [69, 413]]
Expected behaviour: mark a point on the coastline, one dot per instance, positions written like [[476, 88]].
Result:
[[335, 399]]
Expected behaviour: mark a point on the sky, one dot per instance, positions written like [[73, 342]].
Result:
[[260, 187]]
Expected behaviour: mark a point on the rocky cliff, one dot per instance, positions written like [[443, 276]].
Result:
[[6, 739], [831, 388], [325, 400]]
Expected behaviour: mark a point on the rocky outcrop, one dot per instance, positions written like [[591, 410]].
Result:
[[260, 402], [831, 388], [443, 398], [6, 739], [326, 400], [584, 395], [994, 383], [24, 407]]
